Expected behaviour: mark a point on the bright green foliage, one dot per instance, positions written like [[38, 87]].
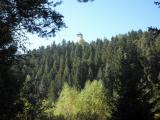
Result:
[[128, 65], [67, 101], [93, 99]]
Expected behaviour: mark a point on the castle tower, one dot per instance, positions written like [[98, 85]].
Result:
[[80, 39]]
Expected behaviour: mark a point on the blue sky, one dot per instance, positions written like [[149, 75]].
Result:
[[102, 19]]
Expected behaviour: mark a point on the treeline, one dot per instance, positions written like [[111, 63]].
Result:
[[128, 68]]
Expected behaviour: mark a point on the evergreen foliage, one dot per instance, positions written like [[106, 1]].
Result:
[[128, 65], [16, 18]]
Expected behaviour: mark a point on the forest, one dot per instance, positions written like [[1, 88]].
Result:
[[105, 79], [117, 79]]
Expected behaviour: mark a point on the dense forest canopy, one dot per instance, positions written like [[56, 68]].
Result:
[[16, 18], [128, 66], [117, 79]]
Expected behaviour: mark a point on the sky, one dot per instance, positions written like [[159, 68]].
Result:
[[101, 19]]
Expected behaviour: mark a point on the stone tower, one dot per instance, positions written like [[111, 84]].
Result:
[[80, 39]]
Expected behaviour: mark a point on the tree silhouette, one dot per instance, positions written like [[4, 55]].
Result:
[[85, 0], [17, 16]]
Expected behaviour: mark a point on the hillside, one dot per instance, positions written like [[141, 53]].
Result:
[[128, 66]]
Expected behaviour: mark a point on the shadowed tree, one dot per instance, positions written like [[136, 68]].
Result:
[[17, 16]]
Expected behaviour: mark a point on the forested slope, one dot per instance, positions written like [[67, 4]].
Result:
[[128, 66]]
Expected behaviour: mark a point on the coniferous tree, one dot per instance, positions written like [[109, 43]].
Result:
[[128, 65]]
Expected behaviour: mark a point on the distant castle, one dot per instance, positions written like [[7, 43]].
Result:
[[80, 39]]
